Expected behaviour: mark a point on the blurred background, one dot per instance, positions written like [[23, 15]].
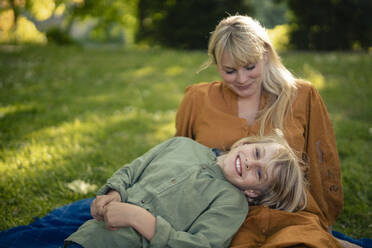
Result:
[[311, 24]]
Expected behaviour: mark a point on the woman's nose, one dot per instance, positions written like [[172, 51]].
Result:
[[242, 76]]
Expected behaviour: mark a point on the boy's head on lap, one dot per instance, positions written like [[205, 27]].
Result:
[[267, 170]]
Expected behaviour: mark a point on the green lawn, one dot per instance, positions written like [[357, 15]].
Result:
[[68, 113]]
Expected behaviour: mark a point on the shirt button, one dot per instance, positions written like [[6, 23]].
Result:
[[173, 181], [204, 166], [142, 201]]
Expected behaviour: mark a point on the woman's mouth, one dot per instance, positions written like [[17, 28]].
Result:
[[243, 87], [238, 167]]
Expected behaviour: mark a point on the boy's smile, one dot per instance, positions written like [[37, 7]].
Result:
[[244, 166]]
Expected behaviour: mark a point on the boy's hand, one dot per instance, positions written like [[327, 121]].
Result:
[[120, 214], [98, 204]]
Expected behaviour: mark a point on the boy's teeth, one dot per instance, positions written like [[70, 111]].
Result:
[[238, 165]]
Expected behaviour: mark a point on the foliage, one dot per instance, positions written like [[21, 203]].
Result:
[[270, 12], [279, 37], [55, 35], [69, 117], [331, 24], [55, 18], [183, 23]]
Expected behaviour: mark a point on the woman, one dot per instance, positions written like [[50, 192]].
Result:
[[181, 194], [258, 94]]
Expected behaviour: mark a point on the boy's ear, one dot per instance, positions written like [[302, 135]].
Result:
[[251, 193]]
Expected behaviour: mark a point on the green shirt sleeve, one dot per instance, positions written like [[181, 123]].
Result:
[[129, 174], [213, 228]]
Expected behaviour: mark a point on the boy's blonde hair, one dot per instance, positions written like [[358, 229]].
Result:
[[287, 189], [246, 41]]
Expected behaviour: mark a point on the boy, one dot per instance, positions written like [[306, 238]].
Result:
[[181, 194]]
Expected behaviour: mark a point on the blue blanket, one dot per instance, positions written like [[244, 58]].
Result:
[[51, 230]]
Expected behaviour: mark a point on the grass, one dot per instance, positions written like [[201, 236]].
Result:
[[68, 113]]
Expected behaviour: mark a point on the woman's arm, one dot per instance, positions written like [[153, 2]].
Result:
[[325, 169], [185, 114]]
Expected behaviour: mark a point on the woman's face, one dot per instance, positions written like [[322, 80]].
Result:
[[244, 166], [245, 81]]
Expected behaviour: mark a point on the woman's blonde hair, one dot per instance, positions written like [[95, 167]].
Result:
[[247, 42], [287, 189]]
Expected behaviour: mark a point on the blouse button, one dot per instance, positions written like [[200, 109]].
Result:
[[142, 201], [173, 181], [204, 166]]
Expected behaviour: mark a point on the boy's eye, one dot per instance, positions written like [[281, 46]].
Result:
[[230, 71], [259, 174]]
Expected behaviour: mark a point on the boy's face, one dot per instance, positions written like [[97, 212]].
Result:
[[244, 166]]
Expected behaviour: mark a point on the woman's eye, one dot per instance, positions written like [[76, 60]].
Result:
[[257, 153], [230, 72], [250, 68]]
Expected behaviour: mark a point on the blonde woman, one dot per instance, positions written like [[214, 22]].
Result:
[[256, 95]]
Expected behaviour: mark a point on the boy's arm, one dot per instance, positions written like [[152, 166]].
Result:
[[128, 175], [214, 227], [119, 214], [116, 187]]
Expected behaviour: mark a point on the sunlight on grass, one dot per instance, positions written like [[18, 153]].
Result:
[[79, 186], [35, 152], [11, 109], [166, 130], [174, 71], [145, 71], [314, 76]]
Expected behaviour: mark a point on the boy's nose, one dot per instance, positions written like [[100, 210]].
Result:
[[249, 164]]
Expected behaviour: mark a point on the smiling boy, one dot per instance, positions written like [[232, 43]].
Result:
[[180, 194]]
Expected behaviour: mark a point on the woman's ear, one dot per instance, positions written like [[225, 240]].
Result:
[[251, 193]]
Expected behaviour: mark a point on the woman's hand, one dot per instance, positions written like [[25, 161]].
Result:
[[120, 214], [98, 204]]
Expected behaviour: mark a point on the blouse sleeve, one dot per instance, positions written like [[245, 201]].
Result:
[[185, 117], [325, 170]]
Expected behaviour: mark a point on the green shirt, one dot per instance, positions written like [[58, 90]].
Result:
[[180, 183]]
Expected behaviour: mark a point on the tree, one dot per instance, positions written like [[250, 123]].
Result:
[[331, 24], [184, 23], [106, 13]]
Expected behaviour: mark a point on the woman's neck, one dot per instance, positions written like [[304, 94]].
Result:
[[248, 107]]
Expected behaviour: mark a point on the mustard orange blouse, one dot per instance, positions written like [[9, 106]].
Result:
[[209, 114]]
